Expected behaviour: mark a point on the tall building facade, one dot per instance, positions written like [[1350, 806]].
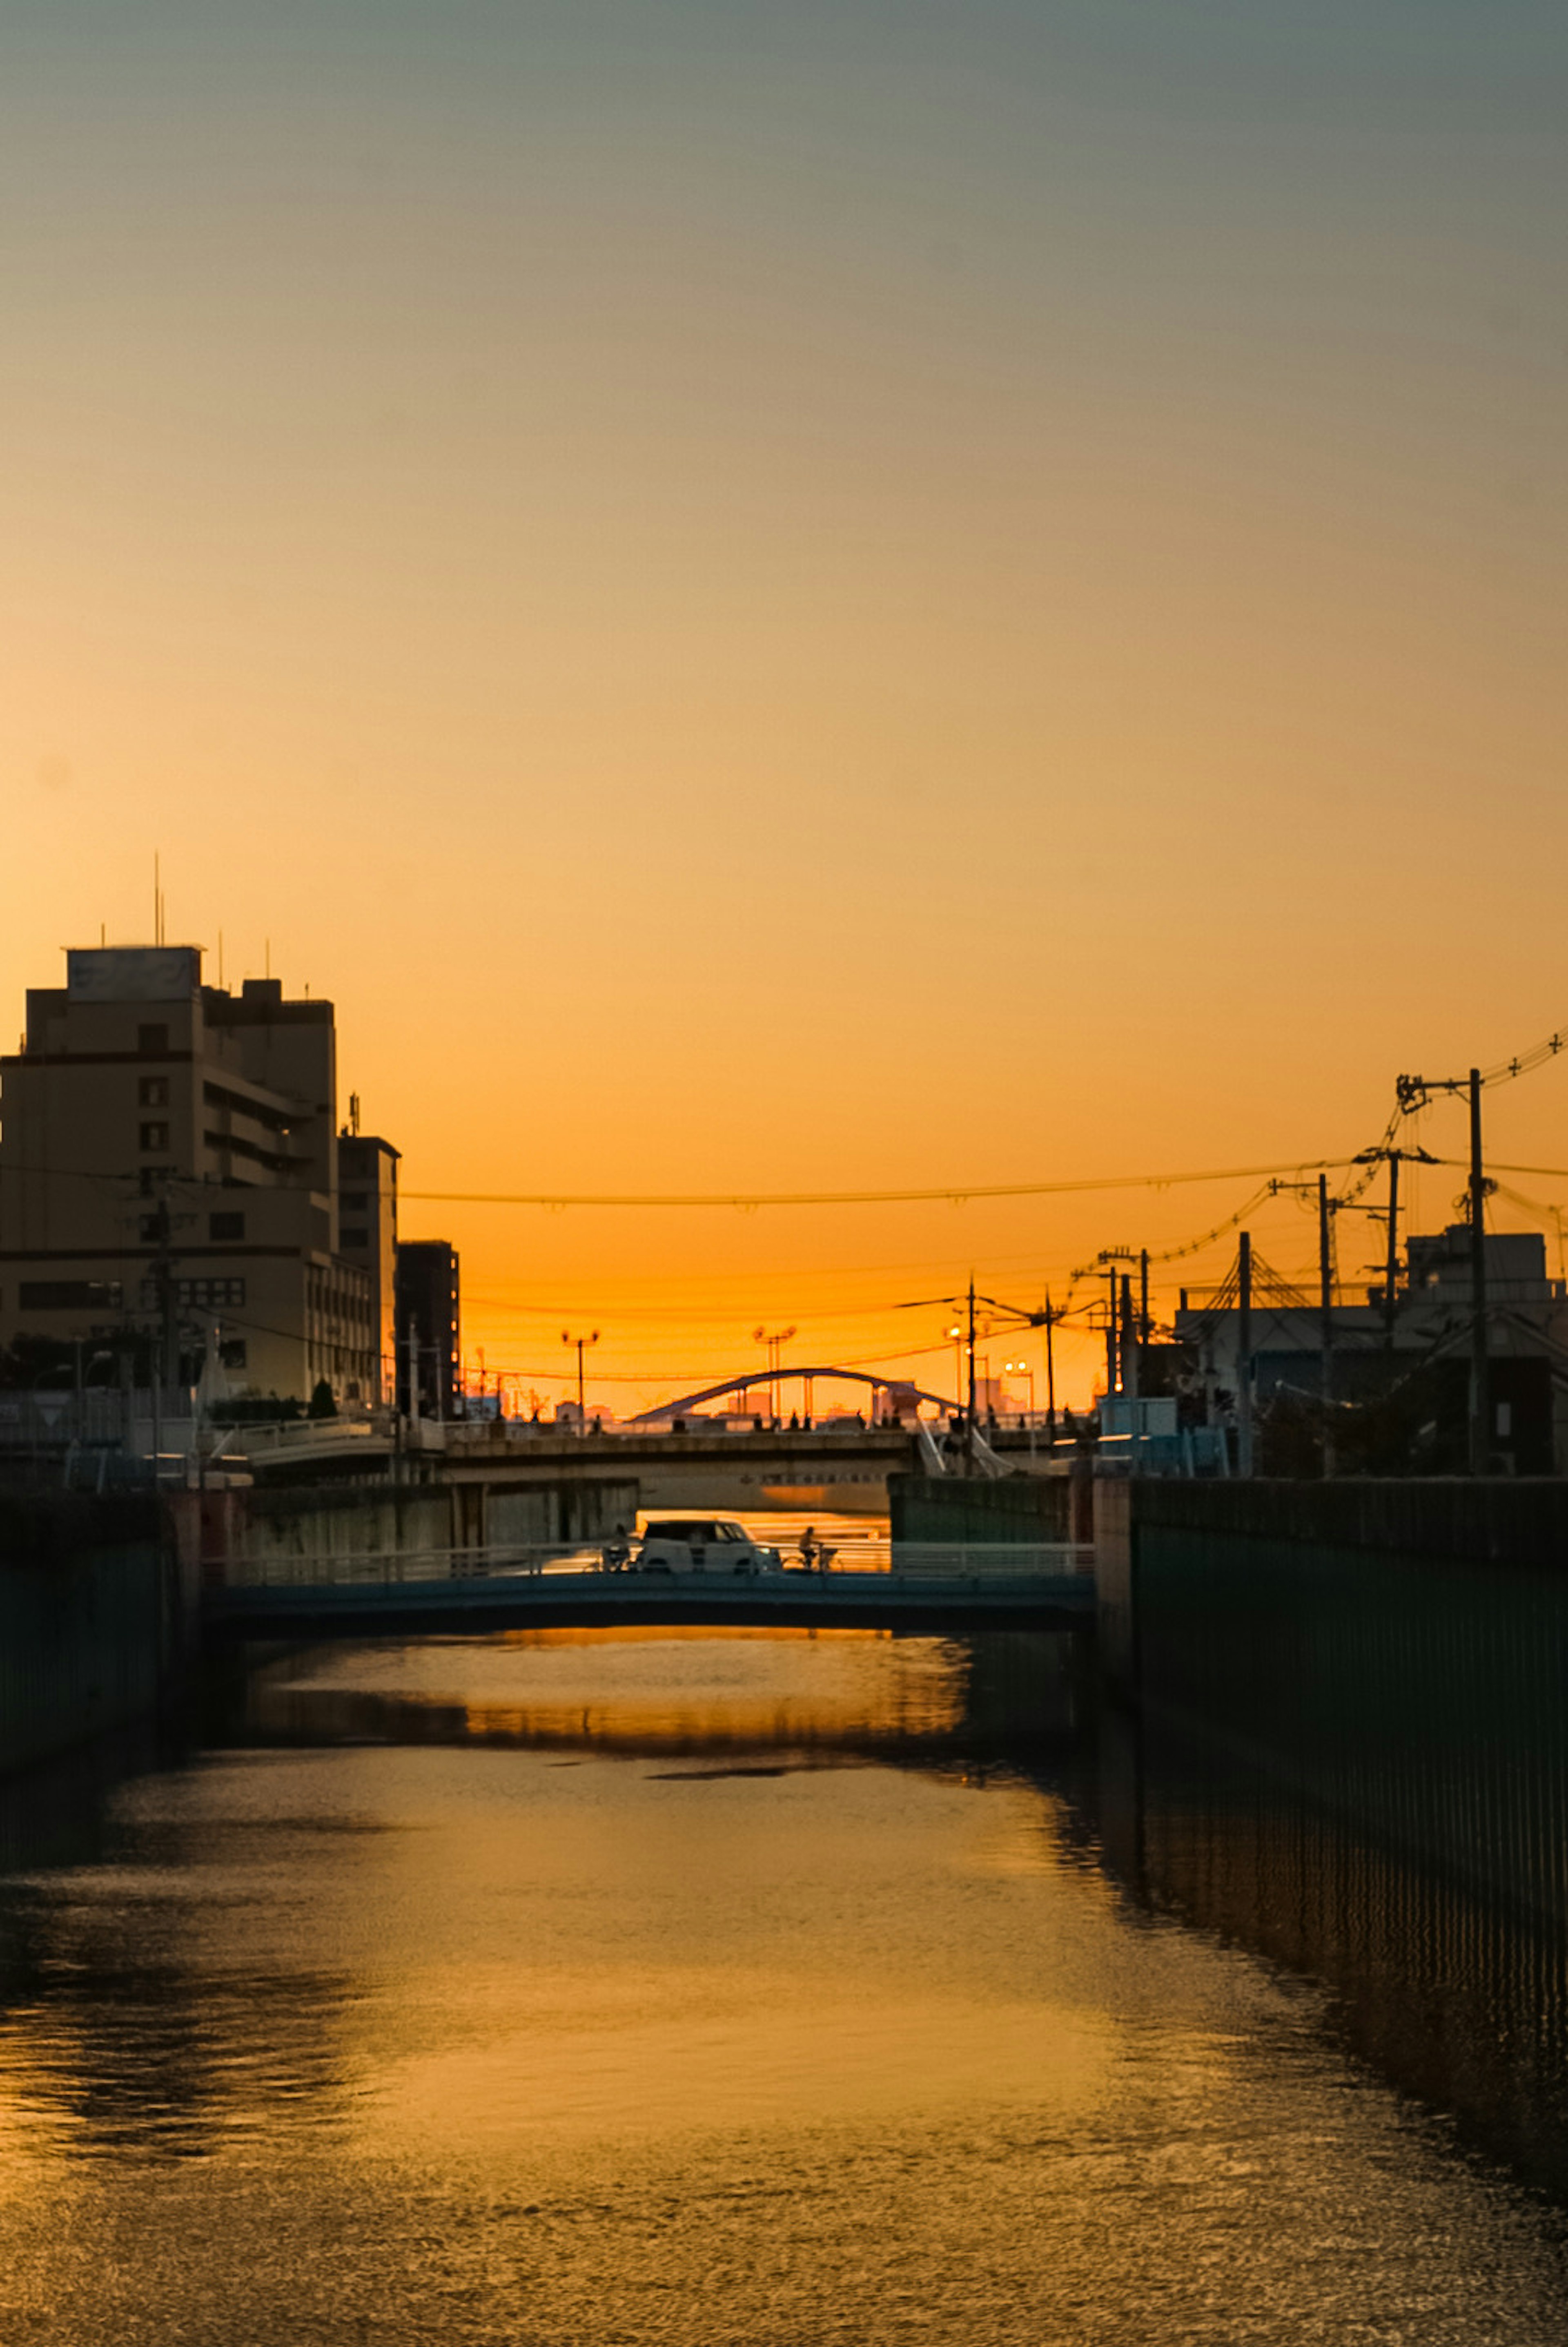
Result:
[[429, 1330], [367, 1236], [168, 1178]]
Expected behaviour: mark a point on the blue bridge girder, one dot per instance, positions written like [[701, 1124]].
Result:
[[478, 1606]]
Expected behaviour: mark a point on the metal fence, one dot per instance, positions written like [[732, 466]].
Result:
[[991, 1560]]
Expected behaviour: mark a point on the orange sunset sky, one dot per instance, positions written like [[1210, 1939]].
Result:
[[800, 598]]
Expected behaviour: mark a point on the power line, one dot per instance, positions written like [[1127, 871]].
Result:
[[953, 1194]]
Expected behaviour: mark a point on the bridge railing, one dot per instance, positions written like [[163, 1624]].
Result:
[[986, 1561], [390, 1568], [270, 1438]]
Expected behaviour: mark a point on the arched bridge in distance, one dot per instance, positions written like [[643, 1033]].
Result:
[[754, 1380]]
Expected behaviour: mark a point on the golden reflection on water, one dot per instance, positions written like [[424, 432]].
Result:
[[652, 1987], [794, 1693]]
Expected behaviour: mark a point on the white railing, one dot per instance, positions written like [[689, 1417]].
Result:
[[280, 1435], [391, 1568]]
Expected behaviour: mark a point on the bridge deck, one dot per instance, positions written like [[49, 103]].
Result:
[[479, 1605]]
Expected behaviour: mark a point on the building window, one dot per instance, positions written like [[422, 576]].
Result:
[[154, 1136], [69, 1295], [152, 1039], [151, 1229], [225, 1227], [356, 1239], [232, 1353], [201, 1294], [354, 1201], [153, 1092]]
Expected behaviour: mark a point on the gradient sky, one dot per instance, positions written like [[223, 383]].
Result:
[[800, 596]]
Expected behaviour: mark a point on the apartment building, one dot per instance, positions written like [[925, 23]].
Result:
[[367, 1234], [429, 1329], [169, 1173]]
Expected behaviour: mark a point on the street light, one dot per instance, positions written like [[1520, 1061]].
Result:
[[1023, 1368], [957, 1335], [775, 1341], [581, 1343]]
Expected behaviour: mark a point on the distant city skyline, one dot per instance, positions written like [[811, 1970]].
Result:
[[509, 1345]]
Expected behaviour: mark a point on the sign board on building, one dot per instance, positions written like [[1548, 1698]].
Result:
[[133, 973]]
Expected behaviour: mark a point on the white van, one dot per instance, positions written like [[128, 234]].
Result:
[[701, 1544]]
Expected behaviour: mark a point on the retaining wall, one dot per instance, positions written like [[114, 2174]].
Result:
[[1396, 1656], [92, 1621]]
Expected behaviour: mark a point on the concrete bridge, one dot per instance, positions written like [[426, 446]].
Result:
[[842, 1470]]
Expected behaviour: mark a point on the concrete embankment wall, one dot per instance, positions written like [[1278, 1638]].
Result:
[[979, 1508], [1394, 1654], [92, 1621], [262, 1526], [1502, 1520]]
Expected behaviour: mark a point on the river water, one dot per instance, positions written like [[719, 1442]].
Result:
[[707, 1988]]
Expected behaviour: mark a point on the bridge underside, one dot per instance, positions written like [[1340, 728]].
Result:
[[477, 1608]]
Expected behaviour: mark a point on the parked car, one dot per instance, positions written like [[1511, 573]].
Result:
[[701, 1544]]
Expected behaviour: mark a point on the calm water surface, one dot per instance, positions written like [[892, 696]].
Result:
[[689, 1988]]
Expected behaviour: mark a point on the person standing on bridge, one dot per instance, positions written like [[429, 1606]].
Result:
[[810, 1551]]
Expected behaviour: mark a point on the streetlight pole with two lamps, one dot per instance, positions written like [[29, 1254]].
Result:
[[581, 1343]]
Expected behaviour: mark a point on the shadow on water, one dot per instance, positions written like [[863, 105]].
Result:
[[1356, 1764], [132, 2048]]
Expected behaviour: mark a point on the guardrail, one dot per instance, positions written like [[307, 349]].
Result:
[[275, 1436]]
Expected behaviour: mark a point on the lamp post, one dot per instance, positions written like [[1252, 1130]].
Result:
[[581, 1343], [775, 1339], [1023, 1368]]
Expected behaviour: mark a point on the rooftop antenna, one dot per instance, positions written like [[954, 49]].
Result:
[[354, 1115]]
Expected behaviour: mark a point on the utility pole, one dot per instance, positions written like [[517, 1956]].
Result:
[[1050, 1373], [1016, 1315], [1480, 1373], [1144, 1323], [1326, 1298], [1243, 1357], [1390, 1277], [1413, 1091], [1130, 1372], [1112, 1376], [413, 1409]]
